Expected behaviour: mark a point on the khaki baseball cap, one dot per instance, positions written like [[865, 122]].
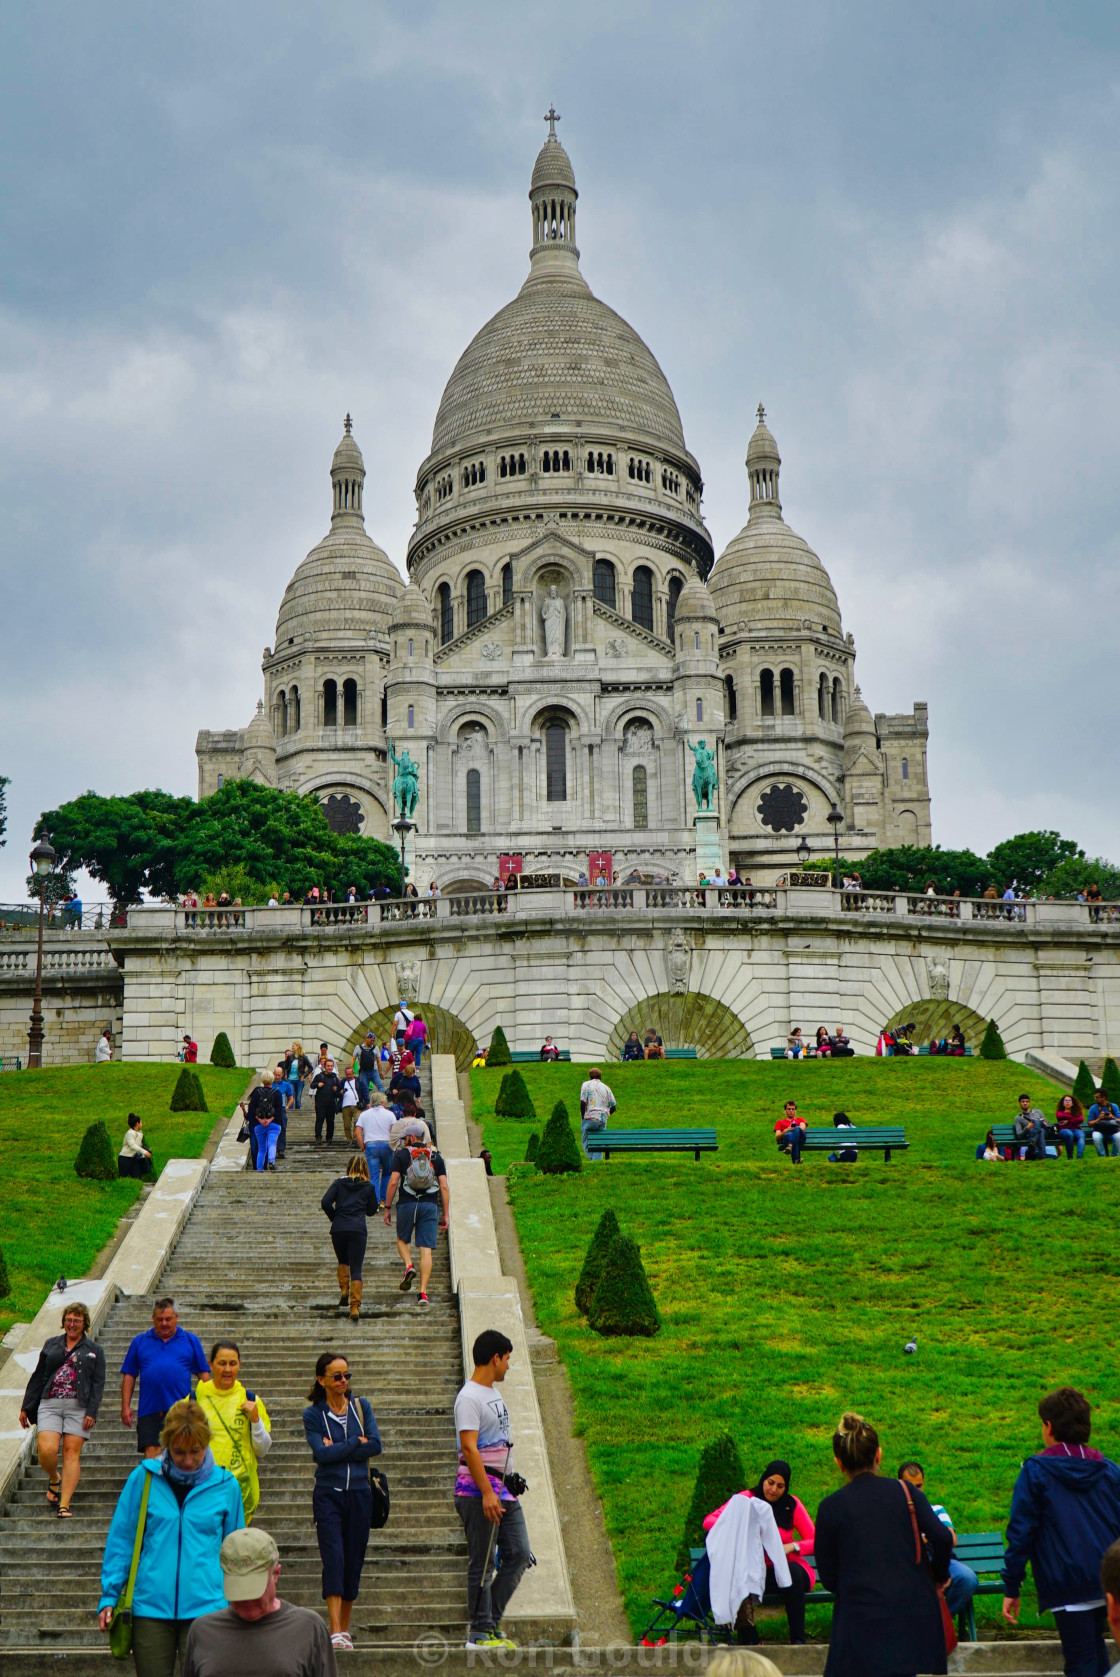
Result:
[[247, 1557]]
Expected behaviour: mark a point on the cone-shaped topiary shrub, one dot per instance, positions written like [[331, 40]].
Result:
[[531, 1147], [498, 1053], [5, 1283], [992, 1046], [503, 1092], [623, 1302], [1084, 1089], [518, 1102], [96, 1159], [187, 1095], [719, 1476], [592, 1271], [222, 1054], [1110, 1080], [559, 1150]]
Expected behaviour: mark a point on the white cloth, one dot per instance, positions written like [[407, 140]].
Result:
[[104, 1050], [738, 1544], [133, 1143], [375, 1124]]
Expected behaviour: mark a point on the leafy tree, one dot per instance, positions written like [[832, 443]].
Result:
[[1110, 1080], [531, 1147], [559, 1152], [623, 1304], [719, 1477], [910, 867], [222, 1052], [237, 882], [188, 1095], [1084, 1089], [1029, 858], [5, 1283], [126, 842], [96, 1158], [591, 1273], [992, 1046], [1076, 872], [498, 1054]]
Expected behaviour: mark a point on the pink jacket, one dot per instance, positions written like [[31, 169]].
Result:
[[803, 1532]]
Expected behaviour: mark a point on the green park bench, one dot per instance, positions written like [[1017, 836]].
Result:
[[610, 1141], [526, 1056], [1004, 1136], [884, 1141], [680, 1053], [925, 1050]]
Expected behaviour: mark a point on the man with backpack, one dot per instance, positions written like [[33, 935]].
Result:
[[423, 1206], [367, 1069], [402, 1019]]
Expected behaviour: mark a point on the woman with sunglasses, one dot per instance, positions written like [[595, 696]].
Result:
[[342, 1434]]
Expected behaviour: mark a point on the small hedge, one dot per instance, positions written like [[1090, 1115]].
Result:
[[498, 1053], [96, 1159], [719, 1476], [992, 1046], [222, 1053], [187, 1095], [623, 1304], [1084, 1089], [531, 1147], [500, 1097], [514, 1099], [559, 1152], [591, 1273], [1110, 1080]]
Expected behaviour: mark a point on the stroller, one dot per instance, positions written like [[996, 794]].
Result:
[[689, 1611]]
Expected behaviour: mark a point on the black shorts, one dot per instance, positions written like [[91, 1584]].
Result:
[[148, 1429]]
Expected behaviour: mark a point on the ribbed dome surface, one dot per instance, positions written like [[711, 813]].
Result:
[[556, 350], [695, 601], [553, 167], [768, 576], [345, 589]]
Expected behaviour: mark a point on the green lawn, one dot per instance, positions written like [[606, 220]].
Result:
[[52, 1222], [787, 1295]]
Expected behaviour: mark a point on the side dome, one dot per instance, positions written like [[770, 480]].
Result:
[[412, 611], [767, 576], [346, 588], [695, 602]]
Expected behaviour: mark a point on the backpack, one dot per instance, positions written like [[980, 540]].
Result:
[[420, 1177]]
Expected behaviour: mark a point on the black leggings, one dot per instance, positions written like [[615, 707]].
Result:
[[350, 1249], [793, 1600]]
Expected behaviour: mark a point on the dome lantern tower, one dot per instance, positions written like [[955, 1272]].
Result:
[[763, 465], [552, 196], [348, 474]]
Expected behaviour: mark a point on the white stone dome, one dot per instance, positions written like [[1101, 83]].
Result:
[[412, 611], [696, 602]]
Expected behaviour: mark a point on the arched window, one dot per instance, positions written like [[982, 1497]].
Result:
[[605, 589], [412, 716], [476, 598], [836, 698], [641, 598], [822, 698], [785, 681], [282, 711], [507, 583], [566, 461], [474, 801], [905, 768], [641, 797], [350, 703], [502, 466], [556, 762], [384, 707], [699, 710], [732, 703], [521, 465], [610, 465], [546, 461], [676, 584], [330, 704], [766, 692], [446, 614]]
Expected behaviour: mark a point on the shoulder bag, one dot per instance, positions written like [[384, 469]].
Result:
[[947, 1625], [120, 1622], [378, 1483]]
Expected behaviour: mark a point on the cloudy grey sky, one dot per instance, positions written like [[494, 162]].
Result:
[[897, 224]]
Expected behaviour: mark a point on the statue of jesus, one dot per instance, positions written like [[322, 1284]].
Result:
[[553, 614]]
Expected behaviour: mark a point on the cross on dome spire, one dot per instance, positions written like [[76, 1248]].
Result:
[[552, 117], [348, 423], [761, 414]]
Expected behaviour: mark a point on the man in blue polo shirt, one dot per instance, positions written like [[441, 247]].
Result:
[[163, 1359]]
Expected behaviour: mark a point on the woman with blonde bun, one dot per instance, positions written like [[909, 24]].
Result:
[[741, 1662], [872, 1541]]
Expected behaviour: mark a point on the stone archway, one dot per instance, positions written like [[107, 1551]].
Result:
[[689, 1021], [936, 1019], [447, 1033]]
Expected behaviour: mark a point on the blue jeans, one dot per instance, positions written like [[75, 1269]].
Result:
[[297, 1090], [417, 1052], [1110, 1146], [379, 1158], [961, 1587], [790, 1142], [592, 1125], [1070, 1138], [267, 1137]]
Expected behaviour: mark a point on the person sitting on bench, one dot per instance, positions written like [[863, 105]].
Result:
[[847, 1153], [963, 1582], [795, 1528], [956, 1041], [549, 1050], [655, 1047], [789, 1132], [841, 1045], [632, 1048], [1030, 1130]]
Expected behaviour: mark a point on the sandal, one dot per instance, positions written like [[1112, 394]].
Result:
[[64, 1513], [54, 1492]]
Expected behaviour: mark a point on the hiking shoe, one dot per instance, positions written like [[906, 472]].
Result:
[[490, 1639], [407, 1279], [422, 1298]]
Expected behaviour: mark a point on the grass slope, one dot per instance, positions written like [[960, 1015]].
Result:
[[787, 1295], [51, 1222]]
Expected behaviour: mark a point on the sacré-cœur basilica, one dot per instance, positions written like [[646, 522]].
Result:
[[565, 639]]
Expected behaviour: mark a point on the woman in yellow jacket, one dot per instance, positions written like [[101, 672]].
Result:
[[240, 1430]]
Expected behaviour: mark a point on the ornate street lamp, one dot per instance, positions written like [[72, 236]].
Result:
[[43, 858], [834, 818], [803, 852]]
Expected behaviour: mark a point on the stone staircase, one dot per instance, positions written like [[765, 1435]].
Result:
[[254, 1264]]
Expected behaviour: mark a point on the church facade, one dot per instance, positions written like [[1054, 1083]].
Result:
[[566, 638]]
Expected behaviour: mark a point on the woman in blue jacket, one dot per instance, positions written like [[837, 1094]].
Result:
[[193, 1505], [1065, 1512], [342, 1432]]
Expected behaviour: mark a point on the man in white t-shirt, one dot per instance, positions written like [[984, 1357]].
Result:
[[402, 1019], [486, 1492], [596, 1103], [104, 1050], [372, 1132]]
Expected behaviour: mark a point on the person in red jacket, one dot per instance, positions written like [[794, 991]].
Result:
[[796, 1530], [190, 1050]]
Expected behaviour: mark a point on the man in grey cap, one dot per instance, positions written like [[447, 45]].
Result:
[[257, 1635]]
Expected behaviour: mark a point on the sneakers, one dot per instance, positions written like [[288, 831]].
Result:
[[342, 1641], [407, 1279], [490, 1639], [422, 1298]]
